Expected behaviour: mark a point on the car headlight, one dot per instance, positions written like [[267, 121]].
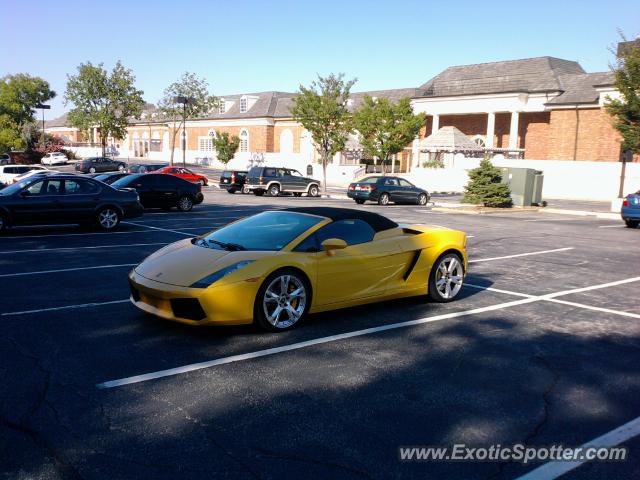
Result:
[[215, 276]]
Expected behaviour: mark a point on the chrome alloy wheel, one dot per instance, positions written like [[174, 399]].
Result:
[[108, 218], [185, 204], [284, 301], [449, 277]]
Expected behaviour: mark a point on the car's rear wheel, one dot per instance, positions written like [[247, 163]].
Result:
[[231, 190], [282, 301], [383, 199], [185, 203], [446, 278], [92, 170], [632, 223], [108, 218], [121, 168], [258, 193], [202, 182], [274, 190], [359, 201], [422, 199]]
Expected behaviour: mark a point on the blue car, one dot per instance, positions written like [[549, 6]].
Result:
[[631, 210]]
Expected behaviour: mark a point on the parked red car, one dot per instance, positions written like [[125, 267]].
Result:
[[185, 174]]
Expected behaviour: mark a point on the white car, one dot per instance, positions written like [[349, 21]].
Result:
[[55, 158], [9, 172], [33, 173]]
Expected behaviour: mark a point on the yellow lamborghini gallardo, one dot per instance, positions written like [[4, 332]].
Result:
[[275, 267]]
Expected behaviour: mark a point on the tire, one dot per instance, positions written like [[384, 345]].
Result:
[[202, 183], [258, 193], [422, 199], [108, 218], [231, 191], [383, 199], [632, 223], [314, 191], [359, 201], [245, 190], [185, 203], [270, 298], [92, 170], [274, 190], [441, 278], [121, 168]]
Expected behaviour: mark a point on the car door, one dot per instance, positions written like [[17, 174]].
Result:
[[40, 203], [298, 182], [360, 270], [409, 191], [167, 189], [392, 187], [80, 198]]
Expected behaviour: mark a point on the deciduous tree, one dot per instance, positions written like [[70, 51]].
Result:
[[322, 109], [103, 100], [201, 102], [226, 147], [386, 128]]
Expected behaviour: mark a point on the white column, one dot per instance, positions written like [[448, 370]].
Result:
[[435, 124], [491, 128], [415, 160], [513, 130]]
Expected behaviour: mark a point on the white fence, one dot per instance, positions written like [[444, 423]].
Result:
[[575, 180]]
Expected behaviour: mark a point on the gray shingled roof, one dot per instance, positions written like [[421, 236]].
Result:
[[448, 139], [60, 121], [581, 88], [528, 75]]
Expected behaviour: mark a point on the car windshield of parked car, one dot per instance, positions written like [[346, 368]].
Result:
[[265, 231]]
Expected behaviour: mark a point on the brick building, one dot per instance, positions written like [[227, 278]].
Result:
[[543, 108]]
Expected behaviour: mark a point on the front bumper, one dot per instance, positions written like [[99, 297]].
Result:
[[230, 304]]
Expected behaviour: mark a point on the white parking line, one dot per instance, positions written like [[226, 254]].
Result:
[[158, 228], [611, 226], [84, 234], [65, 307], [44, 250], [40, 272], [552, 470], [540, 252], [332, 338]]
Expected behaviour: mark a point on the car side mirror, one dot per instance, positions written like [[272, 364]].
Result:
[[331, 244]]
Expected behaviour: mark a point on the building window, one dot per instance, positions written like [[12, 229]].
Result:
[[244, 141], [479, 140], [243, 104], [205, 144], [223, 106]]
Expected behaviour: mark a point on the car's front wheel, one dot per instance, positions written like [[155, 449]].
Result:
[[108, 218], [185, 203], [446, 278], [632, 223], [422, 199], [282, 301], [121, 168], [92, 170], [202, 183]]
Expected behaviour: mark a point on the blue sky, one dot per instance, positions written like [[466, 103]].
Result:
[[244, 46]]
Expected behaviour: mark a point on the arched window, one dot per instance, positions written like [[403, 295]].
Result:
[[479, 140], [286, 141], [244, 140]]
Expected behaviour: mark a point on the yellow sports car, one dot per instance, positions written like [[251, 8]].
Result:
[[275, 267]]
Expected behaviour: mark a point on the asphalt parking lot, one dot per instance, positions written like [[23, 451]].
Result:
[[542, 347]]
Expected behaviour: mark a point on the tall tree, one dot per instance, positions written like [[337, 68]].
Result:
[[103, 100], [226, 147], [19, 95], [322, 109], [386, 128], [201, 102], [626, 109]]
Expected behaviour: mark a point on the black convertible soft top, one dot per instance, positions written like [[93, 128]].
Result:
[[377, 222]]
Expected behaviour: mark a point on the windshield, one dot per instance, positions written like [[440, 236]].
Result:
[[265, 231]]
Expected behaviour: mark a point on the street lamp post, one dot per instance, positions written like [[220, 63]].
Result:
[[184, 101], [43, 107]]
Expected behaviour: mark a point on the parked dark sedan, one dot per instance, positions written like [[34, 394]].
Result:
[[234, 181], [383, 190], [64, 199], [159, 190], [100, 164], [109, 178], [145, 167]]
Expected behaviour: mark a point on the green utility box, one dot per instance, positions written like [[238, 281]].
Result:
[[525, 185]]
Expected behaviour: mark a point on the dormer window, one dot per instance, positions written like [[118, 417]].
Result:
[[243, 104], [223, 106]]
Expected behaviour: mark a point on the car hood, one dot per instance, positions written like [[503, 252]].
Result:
[[183, 263]]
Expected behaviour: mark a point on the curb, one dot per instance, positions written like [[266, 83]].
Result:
[[583, 213], [465, 209]]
